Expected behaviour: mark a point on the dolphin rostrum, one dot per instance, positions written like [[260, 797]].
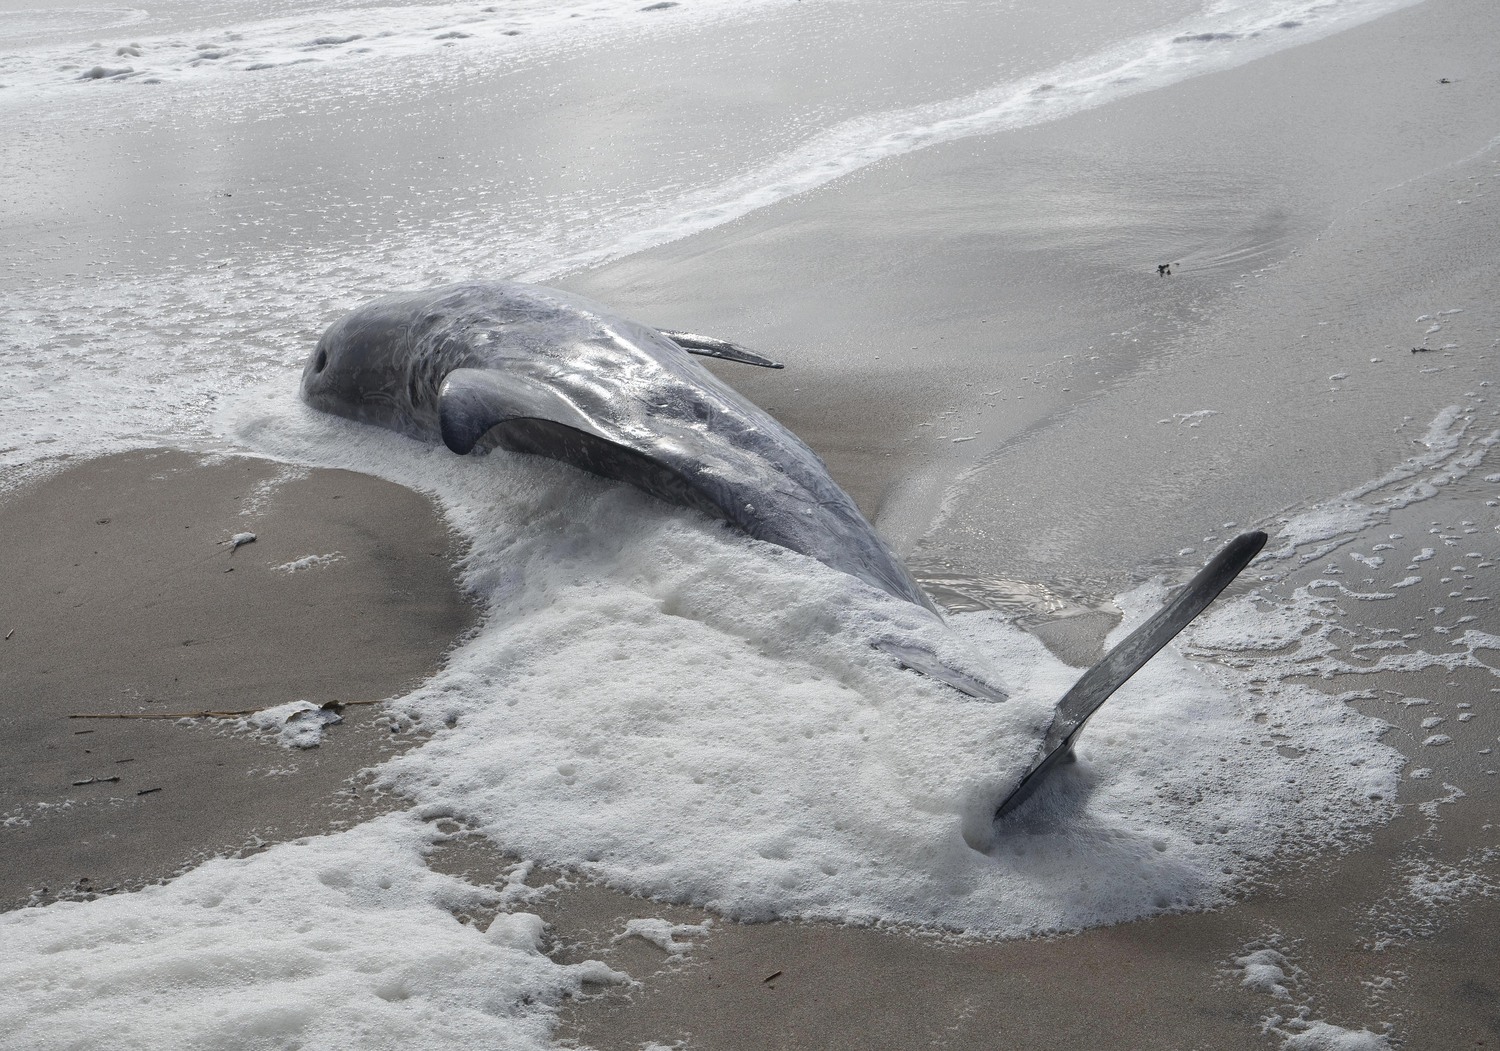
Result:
[[486, 364]]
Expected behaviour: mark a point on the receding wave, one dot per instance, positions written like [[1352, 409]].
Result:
[[1206, 44], [327, 37]]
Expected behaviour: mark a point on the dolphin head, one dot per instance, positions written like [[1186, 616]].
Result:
[[366, 367]]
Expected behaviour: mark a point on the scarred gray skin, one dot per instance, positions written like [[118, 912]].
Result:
[[532, 369]]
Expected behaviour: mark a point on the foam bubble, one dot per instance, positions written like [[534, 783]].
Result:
[[296, 724], [297, 565], [1270, 971]]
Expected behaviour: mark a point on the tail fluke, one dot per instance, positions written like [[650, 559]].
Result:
[[1120, 663]]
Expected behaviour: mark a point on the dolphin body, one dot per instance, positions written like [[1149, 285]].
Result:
[[486, 364], [536, 370]]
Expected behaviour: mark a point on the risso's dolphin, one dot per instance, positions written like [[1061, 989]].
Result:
[[486, 364], [536, 370]]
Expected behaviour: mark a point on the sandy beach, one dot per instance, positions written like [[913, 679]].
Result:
[[124, 597], [980, 345]]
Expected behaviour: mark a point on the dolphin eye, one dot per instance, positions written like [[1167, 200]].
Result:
[[322, 362]]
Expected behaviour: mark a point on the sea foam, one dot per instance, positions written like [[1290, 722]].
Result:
[[678, 711], [345, 941], [687, 714]]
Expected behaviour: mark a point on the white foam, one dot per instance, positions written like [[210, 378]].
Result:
[[1324, 1036], [297, 565], [1272, 973], [39, 64], [296, 724], [1313, 533], [1265, 971], [342, 941], [664, 934], [1431, 884], [626, 712]]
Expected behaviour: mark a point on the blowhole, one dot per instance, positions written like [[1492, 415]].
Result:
[[322, 362]]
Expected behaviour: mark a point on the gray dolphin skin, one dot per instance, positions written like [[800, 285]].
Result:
[[540, 371], [487, 364]]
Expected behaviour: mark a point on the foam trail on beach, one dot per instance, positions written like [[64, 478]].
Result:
[[624, 713], [599, 719]]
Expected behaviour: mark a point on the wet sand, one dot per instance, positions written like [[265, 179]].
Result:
[[123, 598]]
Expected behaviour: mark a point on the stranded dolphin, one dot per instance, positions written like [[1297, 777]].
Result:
[[487, 364], [537, 370]]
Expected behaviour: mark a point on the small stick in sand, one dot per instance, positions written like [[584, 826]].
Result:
[[9, 633], [95, 781]]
